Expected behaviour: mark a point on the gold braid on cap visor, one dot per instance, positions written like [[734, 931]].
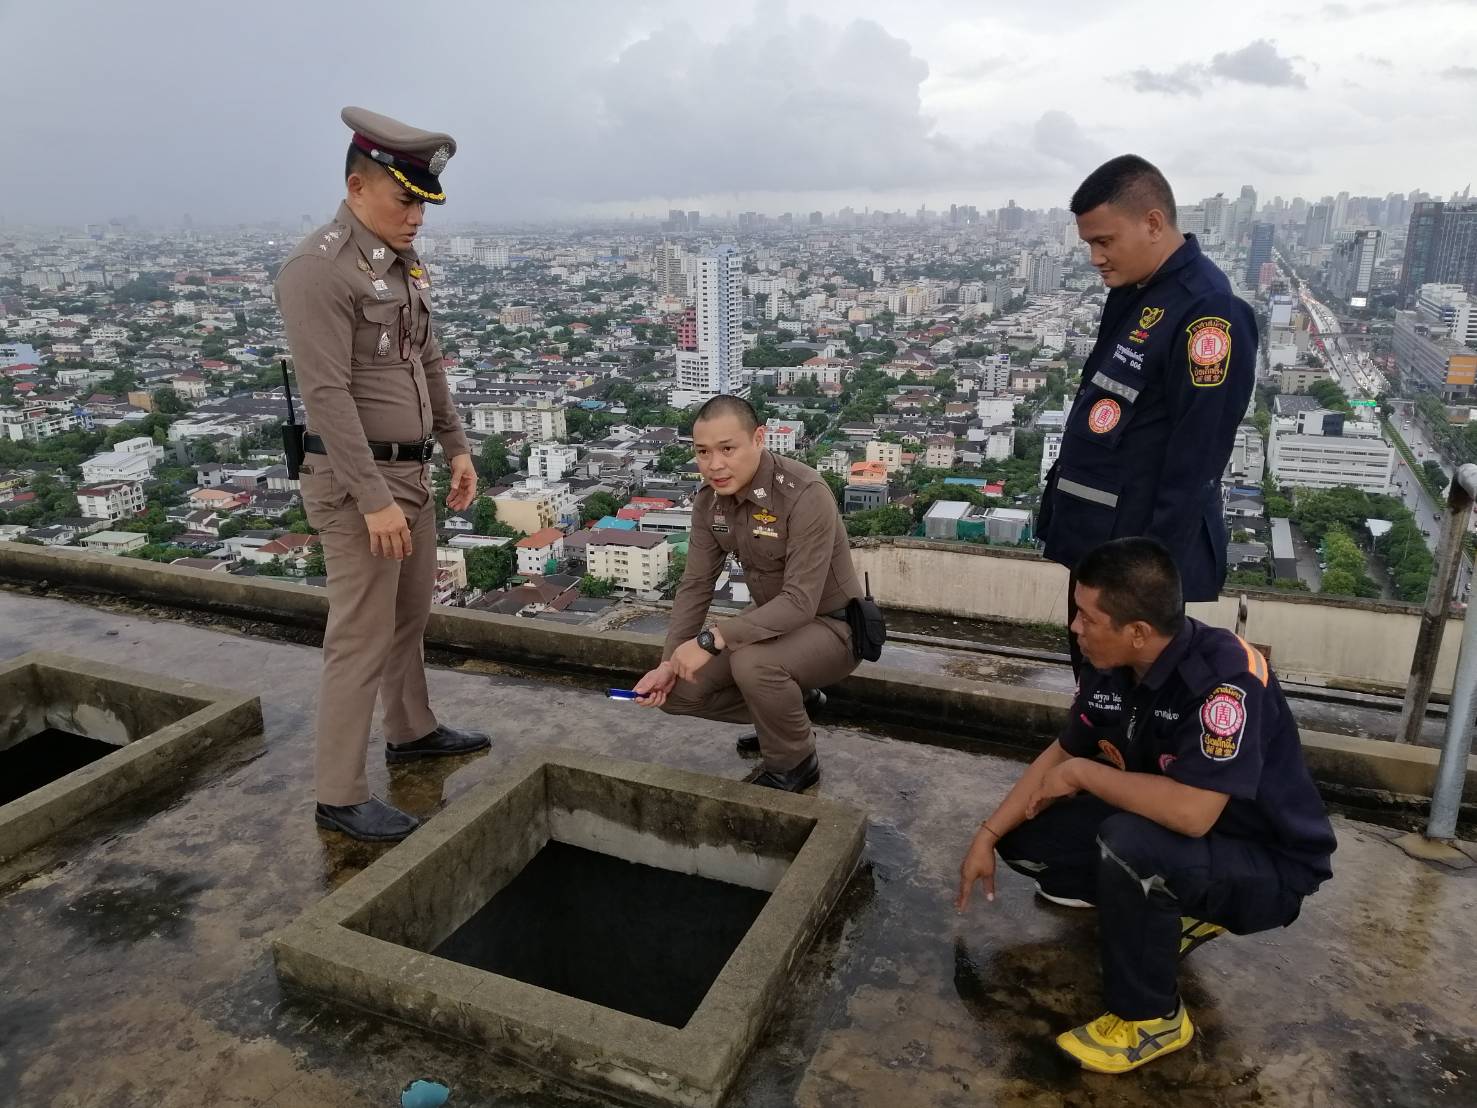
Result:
[[405, 183]]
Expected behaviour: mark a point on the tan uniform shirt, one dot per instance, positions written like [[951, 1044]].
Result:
[[788, 535], [358, 317]]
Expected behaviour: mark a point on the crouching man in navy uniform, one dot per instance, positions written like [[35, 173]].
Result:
[[1162, 392], [1176, 802]]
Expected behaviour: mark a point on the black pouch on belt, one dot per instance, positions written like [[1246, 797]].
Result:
[[868, 628]]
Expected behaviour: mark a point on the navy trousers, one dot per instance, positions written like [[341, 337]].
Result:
[[1143, 877]]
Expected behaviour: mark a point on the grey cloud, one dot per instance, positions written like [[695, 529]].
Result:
[[1057, 135], [1375, 59], [1187, 80], [1257, 63], [1460, 73]]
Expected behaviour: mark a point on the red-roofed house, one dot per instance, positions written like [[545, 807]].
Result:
[[535, 550]]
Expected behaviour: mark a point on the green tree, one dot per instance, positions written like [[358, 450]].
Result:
[[274, 568], [315, 565], [169, 402], [121, 381], [597, 586], [673, 459], [494, 459], [676, 569], [490, 567], [837, 485], [229, 529], [601, 504], [886, 520]]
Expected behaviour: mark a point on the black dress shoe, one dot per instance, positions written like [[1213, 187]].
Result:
[[438, 744], [796, 780], [815, 700], [374, 821]]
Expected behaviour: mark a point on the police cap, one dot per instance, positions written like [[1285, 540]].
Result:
[[414, 158]]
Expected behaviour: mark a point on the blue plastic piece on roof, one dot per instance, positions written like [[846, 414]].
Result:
[[424, 1094]]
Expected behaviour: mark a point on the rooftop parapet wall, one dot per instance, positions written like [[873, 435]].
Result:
[[1024, 717], [1359, 644]]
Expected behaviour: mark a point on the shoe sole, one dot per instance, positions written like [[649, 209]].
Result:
[[1130, 1067], [1063, 901], [393, 756], [810, 782], [334, 825]]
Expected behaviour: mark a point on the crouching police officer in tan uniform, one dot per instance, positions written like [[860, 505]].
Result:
[[780, 518], [357, 306]]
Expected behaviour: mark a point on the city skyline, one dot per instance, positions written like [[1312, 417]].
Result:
[[586, 113]]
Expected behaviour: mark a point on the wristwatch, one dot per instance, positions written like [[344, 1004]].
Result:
[[707, 642]]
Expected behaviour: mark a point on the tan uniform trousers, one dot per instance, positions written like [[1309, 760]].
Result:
[[764, 684], [377, 614]]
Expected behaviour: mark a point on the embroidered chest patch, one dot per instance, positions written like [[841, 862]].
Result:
[[1104, 416]]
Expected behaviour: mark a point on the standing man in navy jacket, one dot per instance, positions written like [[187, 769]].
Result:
[[1162, 392]]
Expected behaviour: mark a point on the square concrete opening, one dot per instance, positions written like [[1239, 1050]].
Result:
[[77, 735], [620, 926]]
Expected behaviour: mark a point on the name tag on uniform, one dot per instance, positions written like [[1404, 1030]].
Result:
[[720, 524], [765, 533]]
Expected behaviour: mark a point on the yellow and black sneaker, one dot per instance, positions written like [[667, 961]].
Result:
[[1112, 1045], [1196, 933]]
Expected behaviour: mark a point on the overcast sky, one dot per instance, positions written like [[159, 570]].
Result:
[[592, 107]]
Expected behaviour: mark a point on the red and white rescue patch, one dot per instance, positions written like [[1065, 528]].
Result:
[[1104, 416], [1209, 351], [1223, 718]]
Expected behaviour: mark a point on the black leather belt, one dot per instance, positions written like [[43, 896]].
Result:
[[382, 451], [839, 613]]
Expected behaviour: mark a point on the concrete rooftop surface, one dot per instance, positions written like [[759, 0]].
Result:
[[136, 967]]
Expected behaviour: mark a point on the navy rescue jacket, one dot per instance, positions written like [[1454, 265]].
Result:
[[1210, 714], [1154, 421]]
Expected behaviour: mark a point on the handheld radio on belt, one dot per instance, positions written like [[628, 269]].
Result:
[[292, 431]]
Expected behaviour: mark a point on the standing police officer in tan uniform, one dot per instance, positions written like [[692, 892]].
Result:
[[779, 517], [357, 305]]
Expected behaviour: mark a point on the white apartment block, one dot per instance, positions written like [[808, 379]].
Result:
[[535, 551], [635, 560], [1051, 450], [130, 460], [540, 420], [551, 460], [112, 500], [784, 436], [1327, 461], [40, 421], [940, 453]]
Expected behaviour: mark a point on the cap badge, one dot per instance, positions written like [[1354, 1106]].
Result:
[[438, 160], [378, 253]]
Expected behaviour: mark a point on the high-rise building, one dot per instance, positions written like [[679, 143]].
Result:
[[1351, 269], [716, 365], [668, 272], [1451, 309], [1440, 247], [1244, 213], [1340, 211], [1011, 218], [1320, 224], [1260, 252], [1217, 217]]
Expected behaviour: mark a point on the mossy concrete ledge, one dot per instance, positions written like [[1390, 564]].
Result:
[[366, 943], [1017, 716], [158, 724]]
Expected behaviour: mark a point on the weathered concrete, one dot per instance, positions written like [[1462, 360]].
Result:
[[1362, 644], [137, 967], [1003, 712], [421, 891], [158, 724]]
